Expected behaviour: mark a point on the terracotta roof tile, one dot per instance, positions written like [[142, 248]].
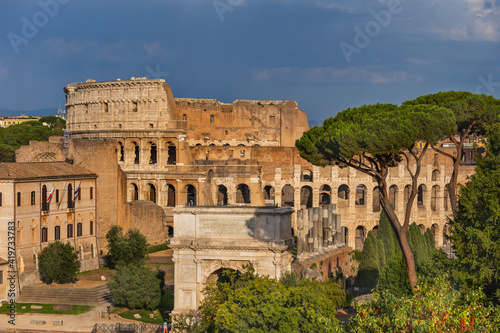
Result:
[[35, 170]]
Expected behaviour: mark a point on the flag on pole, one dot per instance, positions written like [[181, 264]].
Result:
[[77, 191], [49, 197]]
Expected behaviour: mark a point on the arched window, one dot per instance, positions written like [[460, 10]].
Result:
[[393, 194], [71, 204], [152, 193], [422, 228], [45, 204], [269, 193], [346, 236], [221, 195], [287, 196], [153, 153], [343, 192], [172, 153], [435, 175], [435, 231], [91, 227], [360, 237], [325, 193], [121, 155], [434, 197], [306, 175], [243, 194], [170, 195], [306, 196], [136, 152], [375, 230], [360, 195], [133, 192], [421, 195], [191, 195], [170, 231], [406, 194], [376, 199]]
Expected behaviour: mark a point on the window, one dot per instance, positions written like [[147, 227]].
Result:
[[57, 232], [0, 199], [211, 118], [57, 195], [19, 198], [1, 277], [79, 230], [79, 194], [242, 153], [70, 231], [184, 117], [44, 235], [91, 193], [91, 227], [32, 198]]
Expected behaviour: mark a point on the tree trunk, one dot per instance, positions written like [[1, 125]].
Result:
[[452, 185], [400, 232]]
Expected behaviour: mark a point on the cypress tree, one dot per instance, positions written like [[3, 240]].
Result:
[[369, 266], [387, 236], [382, 258]]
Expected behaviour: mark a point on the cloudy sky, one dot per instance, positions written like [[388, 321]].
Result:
[[327, 55]]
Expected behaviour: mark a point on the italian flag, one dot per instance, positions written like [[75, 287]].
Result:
[[49, 197]]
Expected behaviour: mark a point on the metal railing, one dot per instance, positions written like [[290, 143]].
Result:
[[128, 327]]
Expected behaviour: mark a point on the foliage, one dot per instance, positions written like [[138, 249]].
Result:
[[244, 302], [55, 123], [373, 138], [58, 262], [369, 267], [46, 309], [357, 255], [434, 307], [136, 287], [128, 248], [15, 136], [475, 231], [394, 278]]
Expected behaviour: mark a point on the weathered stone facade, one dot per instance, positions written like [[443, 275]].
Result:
[[209, 239], [177, 152]]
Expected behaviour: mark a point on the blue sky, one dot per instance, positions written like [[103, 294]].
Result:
[[327, 55]]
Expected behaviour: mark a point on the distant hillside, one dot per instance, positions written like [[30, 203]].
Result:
[[37, 112]]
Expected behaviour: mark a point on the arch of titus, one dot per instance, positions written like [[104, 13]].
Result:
[[176, 152], [209, 239]]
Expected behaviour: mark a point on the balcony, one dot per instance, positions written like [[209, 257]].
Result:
[[71, 206], [45, 208]]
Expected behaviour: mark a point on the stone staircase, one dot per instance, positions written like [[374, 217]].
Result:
[[97, 295]]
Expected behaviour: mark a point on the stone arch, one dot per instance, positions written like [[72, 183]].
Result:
[[191, 195], [172, 153], [306, 175], [406, 194], [325, 193], [136, 152], [121, 153], [288, 196], [306, 197], [343, 195], [421, 194], [393, 195], [210, 175], [422, 228], [434, 197], [376, 199], [360, 195], [360, 235], [435, 232], [212, 266], [435, 175], [153, 153], [171, 193], [151, 193], [133, 192], [243, 194], [375, 230], [221, 195], [346, 236], [446, 233], [170, 231], [268, 192]]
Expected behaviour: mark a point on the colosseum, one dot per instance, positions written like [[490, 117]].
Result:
[[182, 151]]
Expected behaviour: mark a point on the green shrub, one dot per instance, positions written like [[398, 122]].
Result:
[[156, 248], [58, 262], [136, 287], [128, 248]]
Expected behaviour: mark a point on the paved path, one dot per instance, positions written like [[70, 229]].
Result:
[[71, 323]]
